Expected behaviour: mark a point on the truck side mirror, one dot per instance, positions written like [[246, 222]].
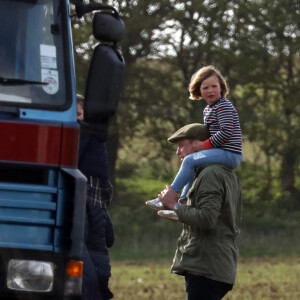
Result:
[[105, 77], [108, 27]]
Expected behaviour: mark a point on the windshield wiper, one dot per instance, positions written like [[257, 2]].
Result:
[[15, 81]]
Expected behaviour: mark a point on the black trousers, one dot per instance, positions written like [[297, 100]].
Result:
[[203, 288], [90, 288], [104, 289]]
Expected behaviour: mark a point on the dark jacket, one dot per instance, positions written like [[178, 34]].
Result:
[[99, 237], [211, 219], [92, 159]]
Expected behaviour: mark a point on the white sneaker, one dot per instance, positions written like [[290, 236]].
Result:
[[168, 214], [156, 204]]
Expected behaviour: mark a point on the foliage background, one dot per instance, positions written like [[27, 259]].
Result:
[[256, 46]]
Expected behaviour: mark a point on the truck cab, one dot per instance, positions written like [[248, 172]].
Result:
[[42, 193]]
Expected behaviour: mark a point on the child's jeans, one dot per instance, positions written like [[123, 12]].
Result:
[[185, 176]]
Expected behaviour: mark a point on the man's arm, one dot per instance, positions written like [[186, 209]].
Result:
[[206, 197]]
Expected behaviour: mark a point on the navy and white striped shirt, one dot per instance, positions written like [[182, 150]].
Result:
[[222, 120]]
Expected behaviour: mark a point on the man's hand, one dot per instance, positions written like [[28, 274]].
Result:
[[169, 197]]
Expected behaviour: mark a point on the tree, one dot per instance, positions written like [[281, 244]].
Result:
[[254, 43], [268, 48]]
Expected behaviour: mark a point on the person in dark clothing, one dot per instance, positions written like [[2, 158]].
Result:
[[99, 232]]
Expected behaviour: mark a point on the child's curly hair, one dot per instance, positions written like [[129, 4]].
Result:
[[200, 76]]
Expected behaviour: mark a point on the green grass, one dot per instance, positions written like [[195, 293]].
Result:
[[260, 278], [139, 187]]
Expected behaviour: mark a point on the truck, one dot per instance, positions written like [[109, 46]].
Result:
[[42, 193]]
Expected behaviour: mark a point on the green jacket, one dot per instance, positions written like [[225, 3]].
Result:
[[211, 221]]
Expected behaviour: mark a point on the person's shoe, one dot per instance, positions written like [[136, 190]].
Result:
[[168, 214], [156, 204]]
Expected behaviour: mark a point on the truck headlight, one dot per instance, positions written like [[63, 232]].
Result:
[[30, 275]]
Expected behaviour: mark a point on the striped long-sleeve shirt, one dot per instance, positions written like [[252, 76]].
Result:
[[223, 123]]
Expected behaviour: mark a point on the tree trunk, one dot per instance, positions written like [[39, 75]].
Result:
[[287, 177]]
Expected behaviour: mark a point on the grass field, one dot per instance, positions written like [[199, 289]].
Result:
[[258, 279], [269, 244]]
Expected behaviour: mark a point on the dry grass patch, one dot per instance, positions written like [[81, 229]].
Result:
[[259, 278]]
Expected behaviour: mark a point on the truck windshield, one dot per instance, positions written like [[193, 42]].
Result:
[[32, 71]]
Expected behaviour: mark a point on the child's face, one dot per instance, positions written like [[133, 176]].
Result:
[[211, 90], [79, 112]]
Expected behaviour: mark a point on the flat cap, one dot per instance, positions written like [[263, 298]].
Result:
[[195, 131]]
